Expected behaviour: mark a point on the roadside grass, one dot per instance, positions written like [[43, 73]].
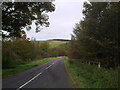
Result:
[[90, 76], [23, 67], [73, 81], [0, 73]]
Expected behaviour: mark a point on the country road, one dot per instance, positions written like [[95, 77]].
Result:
[[49, 75]]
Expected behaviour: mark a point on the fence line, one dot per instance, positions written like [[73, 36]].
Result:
[[89, 62]]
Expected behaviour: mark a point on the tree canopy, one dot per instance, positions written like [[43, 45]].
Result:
[[96, 36], [19, 15]]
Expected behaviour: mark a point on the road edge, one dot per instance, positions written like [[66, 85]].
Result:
[[73, 81], [42, 60]]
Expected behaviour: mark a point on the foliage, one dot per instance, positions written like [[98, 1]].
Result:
[[58, 49], [95, 38], [22, 51], [19, 15], [44, 49]]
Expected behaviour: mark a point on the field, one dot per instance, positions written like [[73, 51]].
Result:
[[52, 44], [90, 76], [56, 43]]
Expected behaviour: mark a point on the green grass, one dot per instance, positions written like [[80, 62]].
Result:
[[90, 76], [0, 73], [52, 44], [56, 44], [23, 67]]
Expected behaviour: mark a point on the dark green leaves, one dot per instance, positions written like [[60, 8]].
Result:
[[18, 15], [96, 37]]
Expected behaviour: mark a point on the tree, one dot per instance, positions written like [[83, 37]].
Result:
[[96, 36], [19, 15]]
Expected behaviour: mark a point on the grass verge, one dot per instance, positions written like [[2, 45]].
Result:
[[23, 67], [73, 81], [90, 76]]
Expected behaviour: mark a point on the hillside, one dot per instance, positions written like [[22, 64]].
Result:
[[53, 42], [58, 40]]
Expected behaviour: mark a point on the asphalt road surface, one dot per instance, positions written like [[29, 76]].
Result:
[[49, 75]]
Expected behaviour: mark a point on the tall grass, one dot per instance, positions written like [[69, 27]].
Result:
[[90, 76]]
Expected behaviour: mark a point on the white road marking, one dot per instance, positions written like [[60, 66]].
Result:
[[33, 77], [48, 67], [29, 80]]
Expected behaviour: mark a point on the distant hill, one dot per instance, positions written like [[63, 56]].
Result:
[[58, 40], [53, 42]]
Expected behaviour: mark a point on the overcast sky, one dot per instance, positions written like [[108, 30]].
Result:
[[62, 20]]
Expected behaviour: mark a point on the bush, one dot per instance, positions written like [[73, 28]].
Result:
[[56, 51], [22, 51]]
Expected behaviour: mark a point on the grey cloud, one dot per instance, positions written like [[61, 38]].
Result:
[[62, 21]]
